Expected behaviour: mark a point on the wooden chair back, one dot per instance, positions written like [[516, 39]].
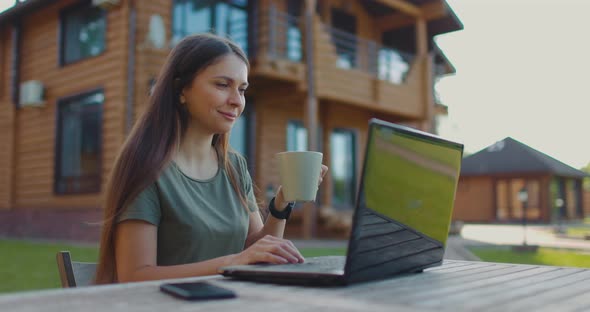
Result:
[[73, 273]]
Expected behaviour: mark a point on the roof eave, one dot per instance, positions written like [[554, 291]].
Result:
[[22, 8]]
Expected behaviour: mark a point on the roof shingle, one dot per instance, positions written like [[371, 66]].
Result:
[[512, 156]]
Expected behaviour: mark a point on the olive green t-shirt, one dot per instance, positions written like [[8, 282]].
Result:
[[197, 220]]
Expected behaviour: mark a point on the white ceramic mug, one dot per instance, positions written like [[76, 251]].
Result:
[[300, 174]]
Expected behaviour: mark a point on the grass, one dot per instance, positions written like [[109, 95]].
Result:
[[578, 231], [581, 230], [32, 266], [27, 265], [318, 252], [543, 256]]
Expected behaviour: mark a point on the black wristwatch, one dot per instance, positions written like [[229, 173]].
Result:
[[281, 215]]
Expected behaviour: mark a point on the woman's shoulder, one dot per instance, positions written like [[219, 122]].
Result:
[[236, 159], [240, 166], [169, 173]]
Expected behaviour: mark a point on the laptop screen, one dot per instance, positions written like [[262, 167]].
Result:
[[411, 178], [405, 201]]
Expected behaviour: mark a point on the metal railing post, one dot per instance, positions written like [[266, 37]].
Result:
[[272, 49], [372, 61]]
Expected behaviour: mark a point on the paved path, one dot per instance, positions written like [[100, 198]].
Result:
[[456, 249], [541, 235]]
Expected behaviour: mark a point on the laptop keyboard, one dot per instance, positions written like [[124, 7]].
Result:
[[328, 264]]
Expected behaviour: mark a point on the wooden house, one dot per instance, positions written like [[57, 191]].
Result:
[[509, 180], [76, 74]]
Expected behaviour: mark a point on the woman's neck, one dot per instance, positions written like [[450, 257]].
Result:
[[195, 155]]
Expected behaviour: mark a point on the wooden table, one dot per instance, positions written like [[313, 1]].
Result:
[[457, 285]]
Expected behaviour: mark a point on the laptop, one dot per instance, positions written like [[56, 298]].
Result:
[[401, 219]]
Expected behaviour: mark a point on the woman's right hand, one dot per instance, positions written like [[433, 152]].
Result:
[[269, 249]]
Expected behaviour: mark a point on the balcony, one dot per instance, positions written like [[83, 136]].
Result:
[[348, 68], [279, 46], [365, 73]]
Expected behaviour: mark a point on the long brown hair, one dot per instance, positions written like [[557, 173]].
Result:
[[149, 146]]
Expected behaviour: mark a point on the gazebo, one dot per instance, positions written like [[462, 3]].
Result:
[[509, 179]]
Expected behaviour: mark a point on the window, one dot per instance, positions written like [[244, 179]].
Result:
[[343, 168], [344, 37], [294, 46], [78, 149], [296, 136], [83, 31], [502, 201], [225, 18], [571, 199], [240, 133], [241, 136], [508, 204], [393, 65]]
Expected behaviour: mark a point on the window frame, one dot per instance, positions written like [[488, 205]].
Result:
[[61, 39], [336, 16], [298, 125], [355, 161], [58, 143], [182, 31], [249, 115]]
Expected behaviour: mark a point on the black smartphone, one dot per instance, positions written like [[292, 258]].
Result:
[[197, 291]]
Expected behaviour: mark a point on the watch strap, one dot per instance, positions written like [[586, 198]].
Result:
[[281, 215]]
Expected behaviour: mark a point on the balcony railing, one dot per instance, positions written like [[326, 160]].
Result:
[[281, 38], [385, 63], [279, 35]]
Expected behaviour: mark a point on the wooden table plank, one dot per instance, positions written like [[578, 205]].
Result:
[[433, 282], [146, 297], [457, 285], [408, 283], [315, 298], [489, 297], [557, 291], [578, 303], [479, 279]]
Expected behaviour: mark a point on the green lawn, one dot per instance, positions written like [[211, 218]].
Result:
[[581, 230], [544, 256], [30, 266], [578, 231], [317, 252], [26, 265]]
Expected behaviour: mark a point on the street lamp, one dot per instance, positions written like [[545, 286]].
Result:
[[523, 196]]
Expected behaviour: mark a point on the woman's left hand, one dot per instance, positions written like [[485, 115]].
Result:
[[280, 202], [322, 174]]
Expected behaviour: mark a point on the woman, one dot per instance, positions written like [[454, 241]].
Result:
[[178, 203]]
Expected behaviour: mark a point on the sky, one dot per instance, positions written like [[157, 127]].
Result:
[[4, 4], [523, 70]]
